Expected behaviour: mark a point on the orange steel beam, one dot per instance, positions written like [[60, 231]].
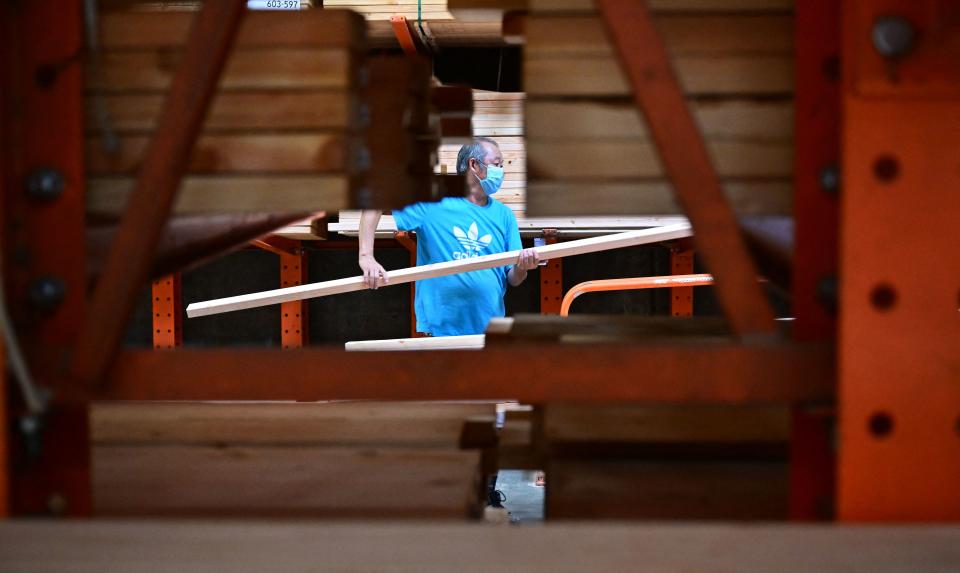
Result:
[[717, 372], [684, 155], [167, 313], [551, 279], [293, 315], [402, 31], [899, 325], [681, 297], [672, 281], [127, 267]]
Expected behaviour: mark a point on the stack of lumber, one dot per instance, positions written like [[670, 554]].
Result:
[[643, 462], [283, 133], [589, 151], [344, 460]]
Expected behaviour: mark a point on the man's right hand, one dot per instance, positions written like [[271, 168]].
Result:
[[374, 274]]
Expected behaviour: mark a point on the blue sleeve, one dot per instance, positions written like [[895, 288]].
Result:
[[411, 217], [513, 231]]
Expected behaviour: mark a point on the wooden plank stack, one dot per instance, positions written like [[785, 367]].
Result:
[[341, 460], [283, 134], [589, 152], [642, 462]]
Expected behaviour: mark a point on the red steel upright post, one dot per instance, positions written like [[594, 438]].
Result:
[[293, 315], [551, 279], [899, 326], [681, 298], [816, 200]]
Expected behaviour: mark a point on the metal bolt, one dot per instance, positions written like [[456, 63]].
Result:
[[830, 179], [363, 77], [30, 429], [45, 184], [57, 504], [363, 116], [364, 198], [827, 288], [46, 293], [893, 36], [361, 159]]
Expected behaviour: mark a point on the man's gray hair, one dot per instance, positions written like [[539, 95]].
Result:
[[473, 150]]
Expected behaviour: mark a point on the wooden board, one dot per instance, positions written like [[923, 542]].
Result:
[[237, 153], [259, 29], [75, 546], [299, 68], [580, 198], [233, 111], [698, 75], [465, 342], [670, 5], [284, 481], [569, 423], [631, 159], [352, 284], [727, 120], [659, 490], [684, 35], [222, 194], [303, 424]]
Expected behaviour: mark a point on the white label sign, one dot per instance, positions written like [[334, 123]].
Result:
[[273, 4]]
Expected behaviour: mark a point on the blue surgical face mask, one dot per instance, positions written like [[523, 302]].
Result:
[[491, 184]]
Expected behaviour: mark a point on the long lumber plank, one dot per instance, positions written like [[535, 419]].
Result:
[[465, 342], [699, 75], [411, 274], [297, 68], [685, 35], [222, 194], [250, 152], [259, 29], [232, 111]]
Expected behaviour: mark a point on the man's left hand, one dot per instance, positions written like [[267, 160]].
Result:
[[528, 260]]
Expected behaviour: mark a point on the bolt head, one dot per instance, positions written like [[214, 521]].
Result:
[[830, 179], [45, 184], [827, 293], [46, 293], [893, 36]]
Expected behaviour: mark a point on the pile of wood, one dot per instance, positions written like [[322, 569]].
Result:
[[589, 151], [340, 460], [284, 133], [643, 462]]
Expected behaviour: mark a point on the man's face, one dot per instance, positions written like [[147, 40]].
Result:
[[492, 157]]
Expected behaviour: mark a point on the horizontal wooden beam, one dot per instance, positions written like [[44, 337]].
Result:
[[402, 276], [712, 370], [465, 342], [241, 547]]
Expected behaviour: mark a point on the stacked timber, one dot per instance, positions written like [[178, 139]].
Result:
[[302, 120], [344, 460], [662, 462], [589, 150], [284, 132]]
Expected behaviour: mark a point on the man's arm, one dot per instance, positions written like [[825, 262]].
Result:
[[528, 260], [374, 275]]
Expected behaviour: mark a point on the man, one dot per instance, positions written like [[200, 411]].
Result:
[[458, 228]]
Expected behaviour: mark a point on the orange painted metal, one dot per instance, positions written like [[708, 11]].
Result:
[[409, 241], [720, 372], [899, 326], [681, 297], [684, 156], [127, 268], [672, 282], [402, 31], [167, 313], [551, 279], [293, 315]]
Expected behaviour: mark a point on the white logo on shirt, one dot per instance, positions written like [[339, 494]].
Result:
[[471, 241]]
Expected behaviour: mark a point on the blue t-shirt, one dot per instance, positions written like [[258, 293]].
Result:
[[453, 229]]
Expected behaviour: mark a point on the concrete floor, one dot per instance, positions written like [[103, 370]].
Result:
[[525, 499]]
